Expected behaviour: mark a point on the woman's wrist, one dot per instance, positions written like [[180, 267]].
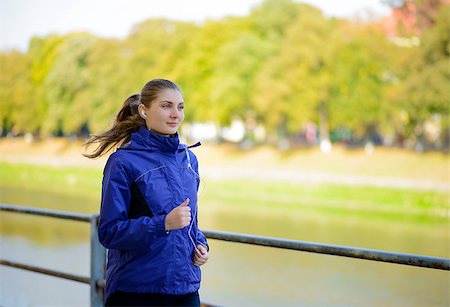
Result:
[[166, 227]]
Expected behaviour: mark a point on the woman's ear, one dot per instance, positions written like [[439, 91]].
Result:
[[142, 110]]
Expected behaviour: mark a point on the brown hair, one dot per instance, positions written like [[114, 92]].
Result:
[[128, 120]]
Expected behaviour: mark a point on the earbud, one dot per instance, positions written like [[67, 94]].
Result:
[[144, 115]]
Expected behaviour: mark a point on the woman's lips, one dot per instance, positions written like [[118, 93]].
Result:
[[172, 124]]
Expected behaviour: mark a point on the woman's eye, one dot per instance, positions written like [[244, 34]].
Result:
[[181, 107], [166, 106]]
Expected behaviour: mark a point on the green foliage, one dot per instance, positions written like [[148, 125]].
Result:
[[200, 64], [285, 64], [359, 83], [238, 63], [294, 86], [15, 88], [427, 85], [43, 53], [69, 76]]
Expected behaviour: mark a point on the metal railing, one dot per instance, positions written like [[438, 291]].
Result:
[[98, 252]]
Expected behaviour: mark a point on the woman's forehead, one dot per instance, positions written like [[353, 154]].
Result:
[[170, 95]]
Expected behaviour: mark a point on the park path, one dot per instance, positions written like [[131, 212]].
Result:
[[298, 176], [258, 169]]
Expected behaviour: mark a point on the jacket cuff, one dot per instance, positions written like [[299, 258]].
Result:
[[160, 225]]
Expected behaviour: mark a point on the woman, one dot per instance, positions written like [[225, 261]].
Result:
[[148, 214]]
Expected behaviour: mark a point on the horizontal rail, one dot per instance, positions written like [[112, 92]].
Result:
[[336, 250], [47, 212], [41, 270]]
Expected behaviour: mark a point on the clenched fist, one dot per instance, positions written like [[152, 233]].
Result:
[[179, 217], [200, 255]]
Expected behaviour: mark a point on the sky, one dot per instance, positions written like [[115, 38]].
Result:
[[22, 19]]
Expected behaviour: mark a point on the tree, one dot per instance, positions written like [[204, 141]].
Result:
[[65, 80], [293, 87], [108, 85], [361, 76], [238, 63], [15, 88], [196, 71], [423, 92]]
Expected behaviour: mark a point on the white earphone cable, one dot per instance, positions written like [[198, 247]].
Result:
[[189, 167]]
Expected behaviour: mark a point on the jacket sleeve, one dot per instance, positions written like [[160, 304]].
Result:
[[200, 237], [115, 230]]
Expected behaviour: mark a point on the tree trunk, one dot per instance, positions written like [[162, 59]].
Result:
[[325, 144]]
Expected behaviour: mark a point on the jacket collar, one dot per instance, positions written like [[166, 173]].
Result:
[[148, 140]]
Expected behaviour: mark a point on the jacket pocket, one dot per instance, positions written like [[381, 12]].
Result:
[[155, 189]]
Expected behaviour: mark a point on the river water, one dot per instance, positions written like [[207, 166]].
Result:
[[238, 274]]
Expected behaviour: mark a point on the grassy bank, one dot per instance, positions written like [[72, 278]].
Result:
[[364, 201]]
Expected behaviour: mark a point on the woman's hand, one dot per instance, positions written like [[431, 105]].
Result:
[[179, 217], [200, 255]]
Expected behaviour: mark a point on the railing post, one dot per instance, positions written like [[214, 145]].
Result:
[[98, 260]]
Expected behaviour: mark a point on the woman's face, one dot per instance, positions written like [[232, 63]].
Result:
[[166, 112]]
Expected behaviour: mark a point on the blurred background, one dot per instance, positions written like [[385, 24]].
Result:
[[324, 121]]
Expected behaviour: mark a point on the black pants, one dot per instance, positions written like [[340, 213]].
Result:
[[152, 299]]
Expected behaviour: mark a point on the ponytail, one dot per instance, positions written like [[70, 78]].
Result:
[[127, 121]]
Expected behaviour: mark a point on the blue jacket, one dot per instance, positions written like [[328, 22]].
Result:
[[142, 182]]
